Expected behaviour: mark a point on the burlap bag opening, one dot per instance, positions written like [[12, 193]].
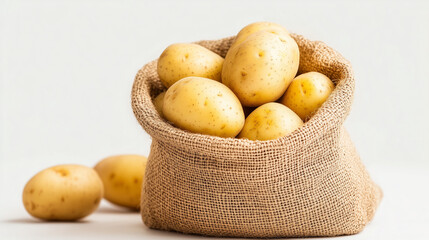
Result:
[[310, 183]]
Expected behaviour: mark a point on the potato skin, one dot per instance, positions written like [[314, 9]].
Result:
[[260, 69], [270, 121], [307, 93], [259, 26], [158, 102], [182, 60], [205, 106], [63, 192], [122, 178]]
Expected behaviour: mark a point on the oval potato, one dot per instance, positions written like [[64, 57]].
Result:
[[182, 60], [63, 192], [122, 178], [270, 121], [259, 26], [260, 69], [205, 106], [307, 93]]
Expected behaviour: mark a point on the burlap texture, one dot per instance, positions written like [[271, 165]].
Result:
[[310, 183]]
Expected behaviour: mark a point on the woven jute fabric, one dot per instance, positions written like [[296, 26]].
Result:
[[309, 183]]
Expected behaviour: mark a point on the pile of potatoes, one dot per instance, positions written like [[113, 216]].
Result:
[[253, 93], [71, 192]]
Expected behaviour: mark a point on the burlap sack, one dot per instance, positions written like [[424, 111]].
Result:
[[310, 183]]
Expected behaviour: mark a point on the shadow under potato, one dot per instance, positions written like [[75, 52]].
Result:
[[116, 210]]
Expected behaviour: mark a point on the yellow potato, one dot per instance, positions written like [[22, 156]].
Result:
[[307, 93], [270, 121], [260, 69], [259, 26], [159, 102], [187, 59], [201, 105], [122, 177], [63, 192]]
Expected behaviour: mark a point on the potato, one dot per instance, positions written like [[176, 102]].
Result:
[[63, 192], [122, 178], [260, 69], [307, 93], [201, 105], [188, 59], [159, 102], [270, 121], [259, 26]]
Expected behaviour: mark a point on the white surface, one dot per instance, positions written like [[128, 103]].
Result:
[[403, 214], [66, 70]]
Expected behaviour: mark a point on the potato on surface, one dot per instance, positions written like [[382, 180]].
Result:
[[205, 106], [182, 60], [122, 178], [270, 121], [63, 192], [307, 93], [260, 69]]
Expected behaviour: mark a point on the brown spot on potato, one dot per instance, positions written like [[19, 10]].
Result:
[[62, 199], [112, 175], [136, 180], [243, 73], [61, 171], [33, 206], [118, 184], [223, 126], [261, 54], [31, 191], [96, 201]]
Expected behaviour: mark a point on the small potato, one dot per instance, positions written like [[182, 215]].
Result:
[[187, 59], [201, 105], [270, 121], [122, 178], [159, 102], [307, 93], [259, 26], [63, 192], [260, 69]]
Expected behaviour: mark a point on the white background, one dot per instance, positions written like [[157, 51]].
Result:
[[67, 68]]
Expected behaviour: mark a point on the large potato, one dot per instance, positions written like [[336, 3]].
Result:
[[260, 69], [259, 26], [122, 178], [201, 105], [307, 93], [187, 59], [63, 192], [270, 121]]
